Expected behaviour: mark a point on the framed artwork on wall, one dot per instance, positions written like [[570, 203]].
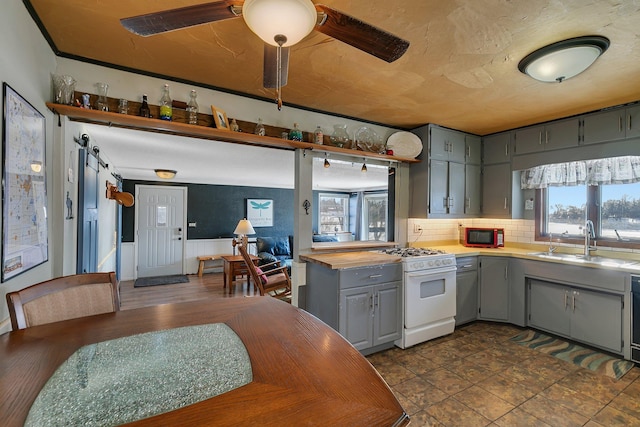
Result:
[[220, 118], [260, 212], [24, 189]]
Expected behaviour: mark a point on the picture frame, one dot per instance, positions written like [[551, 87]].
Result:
[[220, 118], [260, 212], [24, 189]]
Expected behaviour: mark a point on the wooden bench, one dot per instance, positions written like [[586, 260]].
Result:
[[204, 258]]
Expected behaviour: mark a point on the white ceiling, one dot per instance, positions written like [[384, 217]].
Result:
[[135, 154]]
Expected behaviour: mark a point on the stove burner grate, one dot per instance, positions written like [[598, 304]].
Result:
[[411, 252]]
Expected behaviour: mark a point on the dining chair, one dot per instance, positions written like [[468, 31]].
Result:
[[272, 279], [64, 298]]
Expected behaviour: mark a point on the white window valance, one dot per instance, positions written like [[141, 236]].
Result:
[[613, 170]]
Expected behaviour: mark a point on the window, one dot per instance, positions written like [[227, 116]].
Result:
[[614, 210], [375, 217], [334, 213]]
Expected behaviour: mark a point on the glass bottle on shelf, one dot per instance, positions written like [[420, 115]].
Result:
[[192, 108], [101, 103], [260, 130], [318, 135], [144, 108], [166, 110], [295, 134]]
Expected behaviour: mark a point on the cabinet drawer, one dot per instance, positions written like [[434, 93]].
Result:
[[371, 275], [467, 264]]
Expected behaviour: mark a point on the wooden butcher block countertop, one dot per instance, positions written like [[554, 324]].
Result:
[[340, 260]]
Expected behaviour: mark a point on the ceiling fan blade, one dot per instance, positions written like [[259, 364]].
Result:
[[270, 72], [174, 19], [361, 35]]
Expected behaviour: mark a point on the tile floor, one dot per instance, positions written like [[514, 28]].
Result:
[[477, 377]]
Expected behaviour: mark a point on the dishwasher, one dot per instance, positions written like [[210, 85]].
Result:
[[635, 318]]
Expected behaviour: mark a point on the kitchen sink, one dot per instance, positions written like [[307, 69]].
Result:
[[586, 259]]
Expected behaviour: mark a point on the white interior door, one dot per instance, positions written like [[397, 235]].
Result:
[[160, 225]]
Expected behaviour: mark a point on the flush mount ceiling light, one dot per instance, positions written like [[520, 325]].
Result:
[[165, 173], [563, 60]]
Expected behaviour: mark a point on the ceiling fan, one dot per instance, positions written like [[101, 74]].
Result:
[[280, 24]]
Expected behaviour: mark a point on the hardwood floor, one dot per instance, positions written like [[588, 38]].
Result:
[[207, 286]]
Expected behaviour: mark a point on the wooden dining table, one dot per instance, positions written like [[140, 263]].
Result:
[[303, 372]]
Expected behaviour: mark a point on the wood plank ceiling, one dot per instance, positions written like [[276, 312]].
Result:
[[460, 70]]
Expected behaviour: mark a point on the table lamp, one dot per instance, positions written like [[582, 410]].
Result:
[[243, 229]]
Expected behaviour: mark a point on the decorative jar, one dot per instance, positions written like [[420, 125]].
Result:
[[340, 137]]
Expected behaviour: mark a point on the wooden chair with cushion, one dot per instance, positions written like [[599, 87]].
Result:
[[64, 298], [272, 279]]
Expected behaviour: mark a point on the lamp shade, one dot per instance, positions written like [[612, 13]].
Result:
[[563, 60], [244, 228], [293, 19]]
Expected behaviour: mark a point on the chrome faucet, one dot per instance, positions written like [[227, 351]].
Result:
[[589, 234], [552, 248]]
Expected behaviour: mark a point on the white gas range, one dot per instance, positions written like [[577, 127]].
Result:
[[429, 294]]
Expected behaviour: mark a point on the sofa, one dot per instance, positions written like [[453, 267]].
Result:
[[270, 249]]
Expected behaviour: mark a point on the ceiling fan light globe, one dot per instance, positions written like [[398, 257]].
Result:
[[293, 19]]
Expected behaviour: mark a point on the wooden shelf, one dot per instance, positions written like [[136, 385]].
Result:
[[204, 132]]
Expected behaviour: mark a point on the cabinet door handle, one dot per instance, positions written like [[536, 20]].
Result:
[[506, 272], [467, 266], [619, 123], [468, 151], [566, 298], [450, 204], [468, 202], [371, 302], [506, 149], [445, 202], [629, 122], [540, 138], [375, 276], [546, 137], [505, 203], [573, 302]]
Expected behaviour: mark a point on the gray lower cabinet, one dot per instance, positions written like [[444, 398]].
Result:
[[587, 316], [364, 304], [369, 315], [466, 290], [493, 274]]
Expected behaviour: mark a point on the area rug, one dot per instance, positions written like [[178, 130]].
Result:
[[160, 280], [584, 357]]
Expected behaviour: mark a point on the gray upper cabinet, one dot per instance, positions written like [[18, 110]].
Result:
[[496, 194], [552, 136], [447, 144], [440, 186], [496, 148], [473, 149], [611, 125], [633, 121], [472, 189]]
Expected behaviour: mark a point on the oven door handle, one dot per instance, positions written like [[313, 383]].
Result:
[[430, 272]]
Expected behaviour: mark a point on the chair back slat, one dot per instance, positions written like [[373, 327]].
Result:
[[64, 298]]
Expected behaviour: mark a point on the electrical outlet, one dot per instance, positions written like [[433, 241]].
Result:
[[417, 228]]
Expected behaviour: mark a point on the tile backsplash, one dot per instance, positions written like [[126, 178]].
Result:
[[515, 230]]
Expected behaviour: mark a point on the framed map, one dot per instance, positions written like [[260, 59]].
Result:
[[24, 189]]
